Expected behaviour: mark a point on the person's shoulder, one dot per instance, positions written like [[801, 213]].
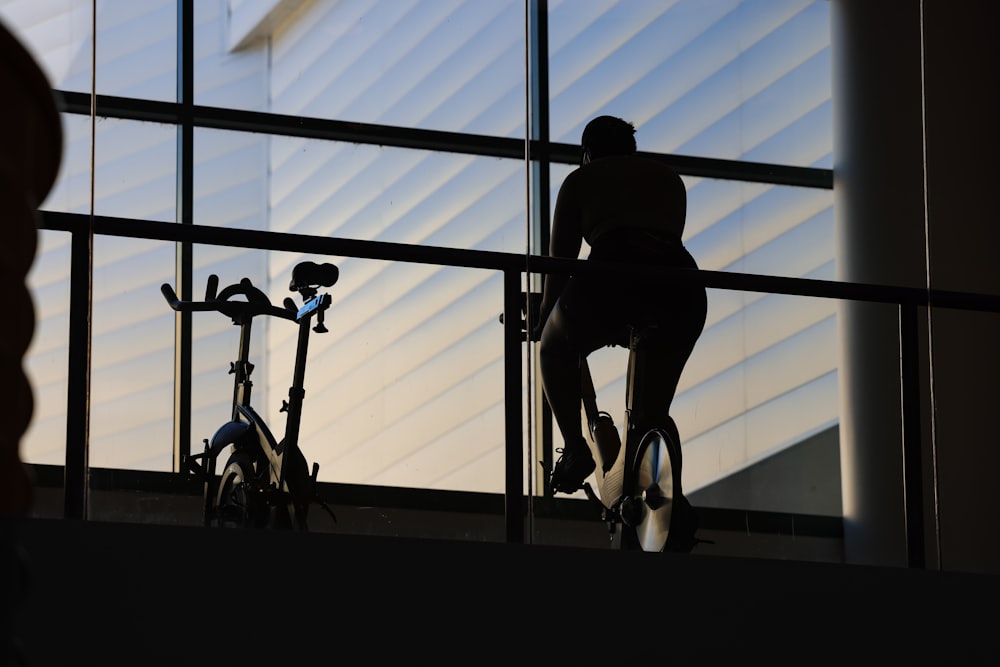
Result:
[[575, 176]]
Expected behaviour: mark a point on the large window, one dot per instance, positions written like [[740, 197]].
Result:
[[404, 123]]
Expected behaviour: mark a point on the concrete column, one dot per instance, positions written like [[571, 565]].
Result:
[[914, 92]]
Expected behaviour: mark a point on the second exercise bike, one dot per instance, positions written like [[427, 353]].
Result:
[[265, 482]]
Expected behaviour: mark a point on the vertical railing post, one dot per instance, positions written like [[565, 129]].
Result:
[[514, 432], [185, 216], [913, 483], [76, 482]]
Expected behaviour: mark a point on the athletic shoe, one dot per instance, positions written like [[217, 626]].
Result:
[[572, 468]]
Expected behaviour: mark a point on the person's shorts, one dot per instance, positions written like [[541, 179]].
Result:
[[600, 307]]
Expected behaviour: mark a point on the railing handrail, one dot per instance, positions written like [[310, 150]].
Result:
[[501, 261]]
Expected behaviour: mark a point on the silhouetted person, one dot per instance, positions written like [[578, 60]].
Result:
[[629, 209]]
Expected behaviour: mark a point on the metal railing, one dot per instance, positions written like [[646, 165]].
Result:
[[514, 266]]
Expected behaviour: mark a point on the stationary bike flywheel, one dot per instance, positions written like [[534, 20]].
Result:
[[655, 488]]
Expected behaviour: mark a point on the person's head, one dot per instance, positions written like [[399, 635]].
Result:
[[605, 136]]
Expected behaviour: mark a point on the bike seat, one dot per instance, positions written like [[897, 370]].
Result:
[[308, 275]]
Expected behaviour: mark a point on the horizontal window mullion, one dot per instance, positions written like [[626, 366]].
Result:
[[432, 140]]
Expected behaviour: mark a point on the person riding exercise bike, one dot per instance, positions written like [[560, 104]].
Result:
[[629, 209]]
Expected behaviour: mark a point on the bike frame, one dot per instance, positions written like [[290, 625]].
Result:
[[290, 487], [639, 478], [619, 492]]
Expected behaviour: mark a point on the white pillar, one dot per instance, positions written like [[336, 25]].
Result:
[[910, 198]]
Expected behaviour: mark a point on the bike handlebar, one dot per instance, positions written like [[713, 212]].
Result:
[[534, 303], [306, 276], [256, 302]]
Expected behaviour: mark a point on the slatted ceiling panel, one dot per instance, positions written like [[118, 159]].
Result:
[[49, 273], [756, 434], [737, 102], [701, 410], [121, 352], [800, 250], [126, 440], [138, 30], [399, 341], [319, 37], [795, 315], [52, 34], [350, 59], [235, 81], [404, 394], [464, 67], [683, 60], [225, 155], [402, 203], [472, 449], [798, 359], [802, 138], [477, 91], [713, 202], [421, 42], [709, 78], [45, 365], [779, 210], [766, 320], [356, 369], [71, 192], [584, 35], [776, 109], [396, 441], [338, 188]]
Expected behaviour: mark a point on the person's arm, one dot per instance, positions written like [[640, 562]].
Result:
[[565, 240]]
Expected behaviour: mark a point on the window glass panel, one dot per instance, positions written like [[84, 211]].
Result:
[[398, 195], [453, 65], [407, 387], [762, 378], [352, 191], [132, 355], [136, 44], [760, 228], [134, 166], [734, 79], [215, 338], [136, 170], [45, 362]]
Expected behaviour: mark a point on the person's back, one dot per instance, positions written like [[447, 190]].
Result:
[[625, 191], [628, 209]]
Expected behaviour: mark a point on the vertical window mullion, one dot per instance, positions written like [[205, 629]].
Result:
[[538, 184], [185, 216]]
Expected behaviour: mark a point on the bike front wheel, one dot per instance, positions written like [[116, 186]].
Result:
[[656, 487], [239, 502]]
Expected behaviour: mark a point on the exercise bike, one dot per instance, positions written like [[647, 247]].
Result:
[[639, 484], [265, 483]]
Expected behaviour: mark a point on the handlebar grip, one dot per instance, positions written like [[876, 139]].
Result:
[[211, 289], [170, 296]]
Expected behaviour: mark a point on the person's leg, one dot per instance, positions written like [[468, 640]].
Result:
[[665, 354], [559, 363]]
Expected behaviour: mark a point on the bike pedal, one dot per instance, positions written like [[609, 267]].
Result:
[[631, 512]]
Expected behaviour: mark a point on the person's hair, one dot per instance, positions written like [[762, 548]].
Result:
[[608, 135]]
